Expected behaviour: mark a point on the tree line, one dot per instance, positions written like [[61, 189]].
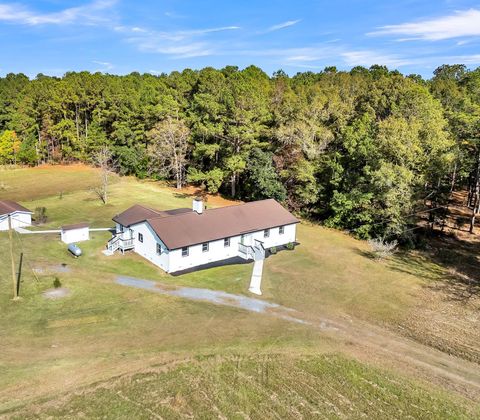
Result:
[[362, 150]]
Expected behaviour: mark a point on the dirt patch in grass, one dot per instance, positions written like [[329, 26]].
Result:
[[57, 293], [191, 191]]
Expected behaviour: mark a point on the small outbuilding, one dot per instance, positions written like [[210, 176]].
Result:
[[19, 216], [75, 233]]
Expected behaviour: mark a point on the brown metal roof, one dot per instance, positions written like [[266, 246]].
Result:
[[135, 214], [139, 213], [9, 206], [75, 226], [190, 228]]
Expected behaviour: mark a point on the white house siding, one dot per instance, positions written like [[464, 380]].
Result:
[[75, 235], [148, 249], [171, 261], [275, 238], [217, 251], [19, 219], [124, 232]]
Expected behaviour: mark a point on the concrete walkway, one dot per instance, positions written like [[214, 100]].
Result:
[[24, 231], [256, 279]]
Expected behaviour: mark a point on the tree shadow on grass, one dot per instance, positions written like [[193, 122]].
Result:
[[182, 195], [450, 265]]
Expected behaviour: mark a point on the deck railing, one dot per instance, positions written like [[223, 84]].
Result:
[[119, 243], [246, 251], [256, 252]]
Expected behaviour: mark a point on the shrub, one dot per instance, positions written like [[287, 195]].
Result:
[[57, 283], [40, 215], [290, 246], [382, 249], [273, 250]]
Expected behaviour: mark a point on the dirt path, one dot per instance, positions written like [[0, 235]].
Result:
[[360, 338]]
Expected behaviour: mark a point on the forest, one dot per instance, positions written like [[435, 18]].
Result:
[[365, 151]]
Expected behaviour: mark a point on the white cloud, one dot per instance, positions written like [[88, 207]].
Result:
[[177, 44], [104, 64], [301, 54], [195, 49], [367, 58], [455, 59], [86, 14], [283, 25], [460, 24]]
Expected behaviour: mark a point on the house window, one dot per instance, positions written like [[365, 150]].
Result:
[[140, 237], [281, 230], [226, 242], [242, 239], [205, 247], [185, 251], [266, 233], [159, 249]]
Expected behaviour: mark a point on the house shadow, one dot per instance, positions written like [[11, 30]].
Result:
[[231, 261]]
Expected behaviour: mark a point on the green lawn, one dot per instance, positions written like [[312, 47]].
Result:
[[44, 181], [102, 330], [258, 387]]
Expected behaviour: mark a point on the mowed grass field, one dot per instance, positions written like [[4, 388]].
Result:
[[257, 387], [107, 350]]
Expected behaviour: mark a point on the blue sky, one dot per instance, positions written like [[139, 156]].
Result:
[[121, 36]]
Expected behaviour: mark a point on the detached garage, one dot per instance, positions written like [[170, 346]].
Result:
[[75, 233], [19, 216]]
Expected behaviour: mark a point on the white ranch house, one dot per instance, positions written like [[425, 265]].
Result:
[[19, 216], [182, 239]]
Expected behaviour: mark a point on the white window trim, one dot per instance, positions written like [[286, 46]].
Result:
[[185, 251], [203, 247]]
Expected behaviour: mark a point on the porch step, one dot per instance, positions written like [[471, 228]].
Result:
[[107, 252], [256, 280]]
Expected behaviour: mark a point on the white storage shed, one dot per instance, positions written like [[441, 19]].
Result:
[[75, 233]]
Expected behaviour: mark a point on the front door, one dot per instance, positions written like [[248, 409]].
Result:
[[246, 239]]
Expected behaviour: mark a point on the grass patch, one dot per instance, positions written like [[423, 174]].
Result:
[[26, 184], [101, 330], [259, 386]]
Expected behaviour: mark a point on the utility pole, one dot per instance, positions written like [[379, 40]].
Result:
[[10, 239]]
